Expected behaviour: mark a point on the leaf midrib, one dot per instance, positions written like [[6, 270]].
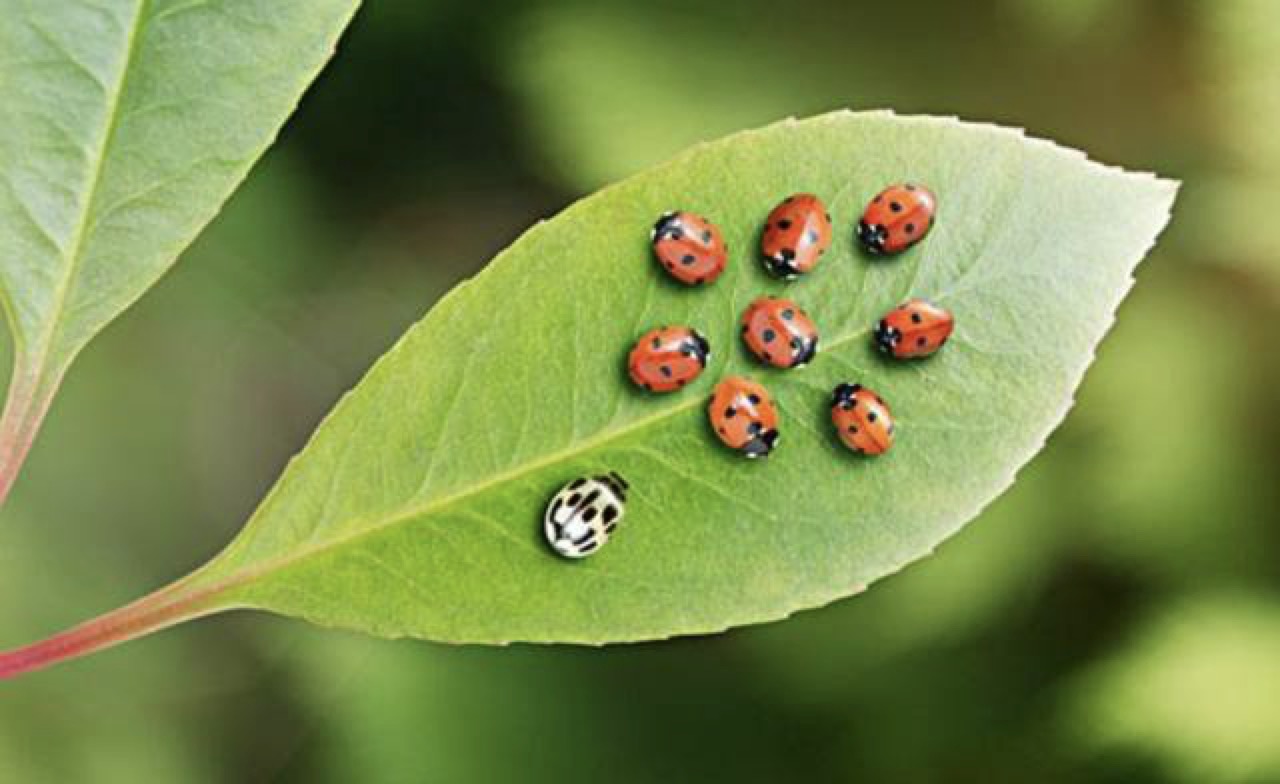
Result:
[[249, 574], [75, 256]]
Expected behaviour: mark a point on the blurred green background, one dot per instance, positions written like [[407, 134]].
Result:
[[1114, 618]]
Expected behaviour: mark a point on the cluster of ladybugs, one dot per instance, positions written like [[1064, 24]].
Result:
[[580, 517]]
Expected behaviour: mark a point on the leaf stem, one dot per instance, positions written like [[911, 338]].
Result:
[[28, 400], [168, 606]]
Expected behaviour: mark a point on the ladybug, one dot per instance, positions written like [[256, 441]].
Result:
[[582, 515], [779, 332], [743, 416], [862, 419], [796, 234], [689, 247], [916, 328], [897, 218], [667, 358]]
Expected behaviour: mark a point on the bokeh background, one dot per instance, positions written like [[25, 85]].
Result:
[[1114, 618]]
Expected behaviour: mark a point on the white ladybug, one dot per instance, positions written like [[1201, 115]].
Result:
[[581, 516]]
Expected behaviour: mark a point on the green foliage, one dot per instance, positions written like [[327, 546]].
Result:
[[415, 509], [1197, 690], [127, 123]]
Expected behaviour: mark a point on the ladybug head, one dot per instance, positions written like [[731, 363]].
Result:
[[667, 226], [761, 445], [782, 265], [872, 236], [887, 337], [805, 353], [615, 481], [699, 349], [843, 394]]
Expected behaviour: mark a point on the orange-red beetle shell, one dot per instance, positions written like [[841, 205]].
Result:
[[689, 247], [796, 234], [667, 358], [862, 420], [744, 417], [779, 332], [897, 218], [916, 328]]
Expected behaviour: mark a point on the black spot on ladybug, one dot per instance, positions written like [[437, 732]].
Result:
[[706, 236], [895, 206], [796, 343], [665, 370], [853, 428], [784, 224], [656, 342], [872, 416], [754, 399], [676, 233], [788, 314], [687, 259], [730, 412], [911, 228], [768, 335], [915, 318], [754, 428], [921, 341]]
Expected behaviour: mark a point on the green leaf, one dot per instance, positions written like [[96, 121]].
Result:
[[415, 510], [127, 124]]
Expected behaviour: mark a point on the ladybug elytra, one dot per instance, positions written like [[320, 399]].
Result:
[[582, 515], [667, 358], [744, 417], [897, 218], [689, 247], [779, 332], [916, 328], [862, 419], [796, 234]]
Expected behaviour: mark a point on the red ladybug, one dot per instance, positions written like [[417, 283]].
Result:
[[779, 332], [743, 416], [796, 234], [667, 358], [915, 328], [897, 218], [862, 419], [689, 247]]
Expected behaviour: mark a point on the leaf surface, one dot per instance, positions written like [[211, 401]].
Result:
[[416, 508], [127, 124]]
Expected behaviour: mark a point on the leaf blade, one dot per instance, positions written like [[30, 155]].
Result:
[[132, 121], [408, 527], [415, 508]]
